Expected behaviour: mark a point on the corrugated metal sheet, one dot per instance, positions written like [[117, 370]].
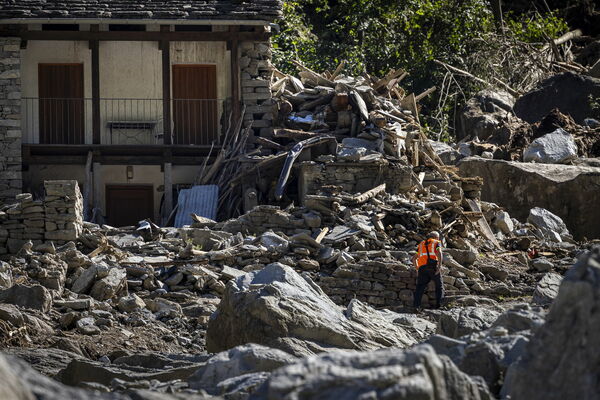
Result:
[[201, 200]]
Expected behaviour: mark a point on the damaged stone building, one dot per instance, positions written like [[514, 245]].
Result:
[[127, 97]]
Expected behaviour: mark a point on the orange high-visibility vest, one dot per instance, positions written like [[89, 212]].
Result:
[[432, 245]]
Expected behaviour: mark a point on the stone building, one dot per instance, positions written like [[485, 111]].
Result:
[[127, 97]]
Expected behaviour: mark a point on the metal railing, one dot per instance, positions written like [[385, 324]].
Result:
[[122, 121]]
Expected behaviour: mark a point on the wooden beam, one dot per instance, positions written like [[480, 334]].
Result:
[[168, 204], [95, 47], [166, 81], [97, 179], [141, 36], [235, 73]]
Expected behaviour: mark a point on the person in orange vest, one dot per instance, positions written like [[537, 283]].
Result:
[[428, 261]]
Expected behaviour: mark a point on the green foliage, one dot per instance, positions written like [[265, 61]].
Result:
[[536, 28]]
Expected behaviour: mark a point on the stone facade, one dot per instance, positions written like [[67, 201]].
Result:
[[354, 177], [10, 119], [256, 70], [58, 218]]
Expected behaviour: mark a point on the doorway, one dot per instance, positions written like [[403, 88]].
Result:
[[195, 115], [61, 105], [128, 204]]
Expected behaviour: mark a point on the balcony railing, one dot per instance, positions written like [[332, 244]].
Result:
[[122, 121]]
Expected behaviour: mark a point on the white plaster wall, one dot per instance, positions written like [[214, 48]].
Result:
[[45, 51], [131, 71]]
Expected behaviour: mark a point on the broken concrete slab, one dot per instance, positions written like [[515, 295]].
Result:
[[557, 188]]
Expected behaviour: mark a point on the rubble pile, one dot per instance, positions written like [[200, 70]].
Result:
[[57, 219]]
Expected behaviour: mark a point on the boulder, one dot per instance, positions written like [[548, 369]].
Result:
[[35, 297], [547, 289], [5, 275], [418, 373], [241, 360], [463, 257], [462, 321], [447, 153], [274, 242], [484, 113], [557, 188], [107, 287], [279, 308], [130, 303], [504, 223], [10, 313], [561, 359], [553, 148], [85, 280], [551, 225], [569, 92], [542, 264]]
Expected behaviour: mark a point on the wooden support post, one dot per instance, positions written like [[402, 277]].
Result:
[[95, 47], [165, 46], [168, 204], [235, 73], [97, 177], [87, 188]]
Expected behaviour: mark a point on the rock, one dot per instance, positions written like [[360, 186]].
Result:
[[277, 307], [458, 322], [35, 297], [85, 280], [547, 289], [106, 288], [163, 308], [557, 188], [561, 359], [553, 148], [130, 303], [241, 360], [418, 373], [12, 386], [87, 326], [274, 242], [542, 264], [547, 222], [76, 304], [504, 223], [494, 272], [464, 257], [449, 155], [520, 318], [47, 362], [10, 313], [308, 264], [569, 92], [483, 114], [5, 275]]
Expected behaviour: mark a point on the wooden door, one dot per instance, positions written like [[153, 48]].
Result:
[[128, 204], [61, 110], [195, 104]]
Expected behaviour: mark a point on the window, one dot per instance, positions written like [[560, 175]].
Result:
[[193, 28], [60, 27], [126, 28]]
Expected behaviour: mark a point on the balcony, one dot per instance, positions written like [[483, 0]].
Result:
[[123, 122]]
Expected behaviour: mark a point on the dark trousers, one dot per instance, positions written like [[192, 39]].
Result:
[[426, 274]]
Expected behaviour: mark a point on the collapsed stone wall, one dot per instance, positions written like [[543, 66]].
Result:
[[256, 70], [387, 284], [57, 218], [10, 119], [354, 177]]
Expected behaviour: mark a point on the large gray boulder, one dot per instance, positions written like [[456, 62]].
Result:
[[418, 373], [551, 225], [462, 321], [555, 187], [35, 297], [279, 308], [561, 360], [241, 360], [484, 113], [547, 289], [569, 92], [553, 148]]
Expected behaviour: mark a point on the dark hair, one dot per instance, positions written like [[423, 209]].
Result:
[[433, 235]]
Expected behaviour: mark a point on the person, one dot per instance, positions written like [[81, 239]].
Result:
[[428, 262]]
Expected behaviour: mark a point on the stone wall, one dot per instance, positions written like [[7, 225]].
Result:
[[10, 119], [354, 177], [256, 70], [58, 218], [387, 283]]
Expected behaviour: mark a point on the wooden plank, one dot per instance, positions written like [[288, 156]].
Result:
[[168, 205], [482, 224], [166, 84], [95, 47], [236, 84], [135, 36]]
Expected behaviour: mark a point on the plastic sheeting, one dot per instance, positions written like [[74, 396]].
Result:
[[201, 200]]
